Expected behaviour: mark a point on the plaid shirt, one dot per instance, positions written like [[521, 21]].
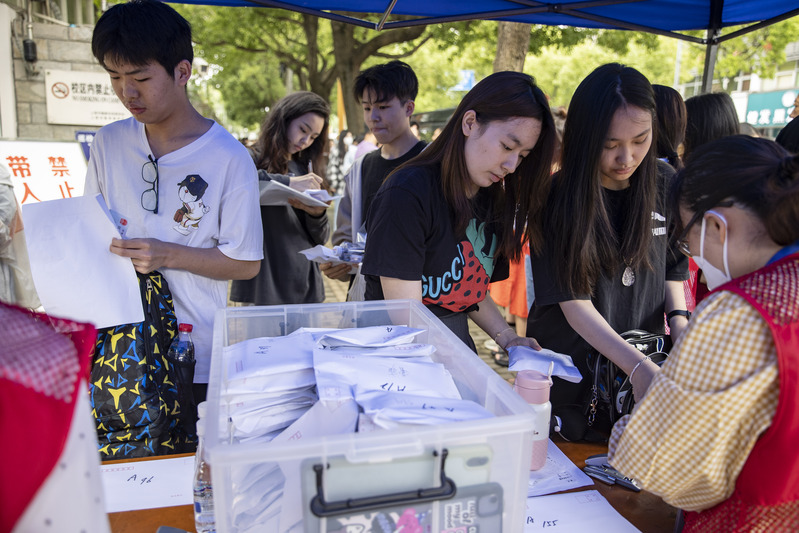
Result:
[[689, 438]]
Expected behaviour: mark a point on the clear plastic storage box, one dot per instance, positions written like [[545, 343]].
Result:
[[478, 469]]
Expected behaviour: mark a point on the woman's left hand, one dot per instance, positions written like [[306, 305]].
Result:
[[311, 210]]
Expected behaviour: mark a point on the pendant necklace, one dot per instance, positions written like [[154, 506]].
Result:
[[628, 276]]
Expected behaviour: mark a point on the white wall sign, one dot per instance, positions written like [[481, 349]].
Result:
[[81, 98], [44, 170]]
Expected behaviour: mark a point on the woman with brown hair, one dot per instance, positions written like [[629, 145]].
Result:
[[446, 223]]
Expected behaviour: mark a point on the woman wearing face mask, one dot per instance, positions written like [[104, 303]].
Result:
[[445, 224], [290, 146], [605, 266], [717, 429]]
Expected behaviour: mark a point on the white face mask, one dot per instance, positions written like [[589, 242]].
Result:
[[714, 276]]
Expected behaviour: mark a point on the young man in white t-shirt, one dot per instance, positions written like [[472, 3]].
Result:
[[187, 188]]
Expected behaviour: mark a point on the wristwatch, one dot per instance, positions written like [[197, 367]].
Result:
[[678, 312]]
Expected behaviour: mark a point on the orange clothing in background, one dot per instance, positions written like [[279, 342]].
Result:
[[512, 292]]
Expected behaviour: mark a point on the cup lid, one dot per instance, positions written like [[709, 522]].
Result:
[[532, 379]]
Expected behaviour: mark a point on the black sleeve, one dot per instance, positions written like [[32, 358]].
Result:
[[263, 175], [318, 228], [397, 227], [501, 269]]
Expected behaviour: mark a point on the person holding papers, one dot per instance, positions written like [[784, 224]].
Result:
[[715, 434], [445, 224], [290, 146], [186, 187]]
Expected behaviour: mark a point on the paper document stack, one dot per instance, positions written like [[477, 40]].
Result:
[[316, 382]]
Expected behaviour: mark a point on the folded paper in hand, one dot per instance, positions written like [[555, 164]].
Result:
[[526, 358], [322, 254], [275, 193]]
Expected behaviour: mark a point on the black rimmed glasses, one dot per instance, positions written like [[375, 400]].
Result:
[[682, 244], [149, 173]]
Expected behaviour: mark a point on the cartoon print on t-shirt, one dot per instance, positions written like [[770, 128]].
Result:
[[190, 192], [466, 281]]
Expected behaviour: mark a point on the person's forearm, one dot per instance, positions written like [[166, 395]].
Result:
[[490, 320], [400, 289], [595, 330], [211, 263], [675, 300]]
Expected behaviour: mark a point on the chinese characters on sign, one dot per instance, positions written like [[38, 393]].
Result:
[[770, 109], [43, 171], [81, 98]]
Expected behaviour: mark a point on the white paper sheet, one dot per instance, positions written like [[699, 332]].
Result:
[[322, 254], [526, 358], [75, 273], [575, 512], [148, 484], [275, 193], [559, 473]]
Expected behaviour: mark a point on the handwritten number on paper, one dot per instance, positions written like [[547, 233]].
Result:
[[549, 523], [144, 479]]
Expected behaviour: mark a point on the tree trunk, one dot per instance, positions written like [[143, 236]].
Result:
[[513, 40], [347, 67]]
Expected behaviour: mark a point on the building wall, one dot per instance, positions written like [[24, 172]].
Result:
[[59, 48]]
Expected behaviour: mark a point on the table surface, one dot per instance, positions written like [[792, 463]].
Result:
[[645, 511]]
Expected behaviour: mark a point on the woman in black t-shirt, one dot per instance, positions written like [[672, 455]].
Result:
[[444, 224], [605, 265]]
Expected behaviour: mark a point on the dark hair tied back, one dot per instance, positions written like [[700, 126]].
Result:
[[788, 169]]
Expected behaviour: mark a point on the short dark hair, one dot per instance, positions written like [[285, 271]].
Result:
[[391, 79], [141, 31], [788, 137], [711, 116], [753, 172]]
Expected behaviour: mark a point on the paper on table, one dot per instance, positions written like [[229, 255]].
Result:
[[558, 474], [148, 484], [75, 273], [575, 512], [275, 193]]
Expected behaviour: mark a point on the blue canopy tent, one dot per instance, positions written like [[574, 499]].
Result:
[[662, 17]]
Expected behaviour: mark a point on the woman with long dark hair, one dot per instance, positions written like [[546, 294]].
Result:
[[445, 224], [290, 146], [717, 428], [604, 266]]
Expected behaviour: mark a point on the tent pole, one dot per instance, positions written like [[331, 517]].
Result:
[[711, 52]]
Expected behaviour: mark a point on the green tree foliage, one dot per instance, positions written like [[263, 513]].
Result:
[[761, 51]]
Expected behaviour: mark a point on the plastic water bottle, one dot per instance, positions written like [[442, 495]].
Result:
[[182, 347], [534, 387], [204, 520]]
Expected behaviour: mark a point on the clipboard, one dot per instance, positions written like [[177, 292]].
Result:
[[275, 193]]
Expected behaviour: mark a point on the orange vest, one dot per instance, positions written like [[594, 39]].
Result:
[[766, 496]]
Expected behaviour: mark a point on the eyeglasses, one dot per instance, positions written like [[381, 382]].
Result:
[[149, 173], [682, 246]]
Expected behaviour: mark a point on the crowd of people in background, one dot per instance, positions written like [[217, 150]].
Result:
[[630, 209]]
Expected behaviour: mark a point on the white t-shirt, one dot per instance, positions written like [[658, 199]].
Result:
[[214, 185]]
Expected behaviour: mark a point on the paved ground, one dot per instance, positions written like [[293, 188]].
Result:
[[336, 291]]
